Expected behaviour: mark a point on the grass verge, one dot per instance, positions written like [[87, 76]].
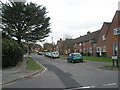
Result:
[[98, 59], [63, 56], [32, 65]]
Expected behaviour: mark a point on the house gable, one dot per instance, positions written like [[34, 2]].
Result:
[[111, 38]]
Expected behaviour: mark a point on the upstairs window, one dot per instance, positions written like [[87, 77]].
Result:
[[103, 38], [116, 31]]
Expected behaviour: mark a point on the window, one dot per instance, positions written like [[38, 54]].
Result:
[[94, 45], [103, 37], [90, 50], [104, 49], [98, 49], [115, 49], [116, 31]]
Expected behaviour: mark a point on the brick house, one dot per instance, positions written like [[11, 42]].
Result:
[[48, 46], [86, 44], [68, 46], [113, 36], [64, 46], [60, 46], [101, 43], [104, 42]]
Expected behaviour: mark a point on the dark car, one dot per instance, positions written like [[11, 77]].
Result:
[[75, 57]]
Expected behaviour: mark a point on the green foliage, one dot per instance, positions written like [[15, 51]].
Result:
[[24, 48], [26, 21], [12, 53]]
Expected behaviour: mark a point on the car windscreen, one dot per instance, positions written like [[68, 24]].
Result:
[[77, 55]]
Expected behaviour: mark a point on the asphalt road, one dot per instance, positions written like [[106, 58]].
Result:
[[61, 74]]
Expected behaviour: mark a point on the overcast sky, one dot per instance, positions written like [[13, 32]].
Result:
[[76, 17]]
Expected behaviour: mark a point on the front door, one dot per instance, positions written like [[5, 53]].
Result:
[[115, 49]]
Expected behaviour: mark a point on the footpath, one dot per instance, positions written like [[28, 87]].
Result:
[[18, 72]]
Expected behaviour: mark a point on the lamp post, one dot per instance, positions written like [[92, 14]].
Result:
[[52, 44]]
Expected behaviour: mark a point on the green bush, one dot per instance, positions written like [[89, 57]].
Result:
[[12, 53], [24, 48]]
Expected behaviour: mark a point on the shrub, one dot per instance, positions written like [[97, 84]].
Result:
[[24, 48], [12, 53]]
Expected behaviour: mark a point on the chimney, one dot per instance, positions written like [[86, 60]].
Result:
[[88, 32], [60, 39]]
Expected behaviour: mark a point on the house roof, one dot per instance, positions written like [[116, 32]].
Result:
[[116, 15], [90, 36], [108, 24]]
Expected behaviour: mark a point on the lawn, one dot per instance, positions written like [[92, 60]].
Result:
[[63, 56], [32, 65], [92, 58], [98, 59]]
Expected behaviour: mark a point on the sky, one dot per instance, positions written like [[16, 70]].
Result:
[[77, 17]]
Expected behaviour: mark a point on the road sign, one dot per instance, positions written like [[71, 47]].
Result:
[[114, 57]]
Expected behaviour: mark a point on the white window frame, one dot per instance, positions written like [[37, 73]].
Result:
[[114, 49], [116, 31], [90, 50], [104, 49], [103, 38], [98, 48]]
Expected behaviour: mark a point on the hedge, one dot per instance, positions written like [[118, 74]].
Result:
[[12, 53]]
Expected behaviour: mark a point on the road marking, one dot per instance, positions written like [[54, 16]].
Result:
[[88, 87], [80, 88], [109, 84]]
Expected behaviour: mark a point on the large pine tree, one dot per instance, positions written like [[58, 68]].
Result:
[[27, 21]]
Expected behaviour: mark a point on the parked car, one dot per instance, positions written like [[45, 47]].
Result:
[[39, 53], [75, 57], [55, 54]]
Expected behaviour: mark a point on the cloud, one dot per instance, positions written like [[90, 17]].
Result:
[[77, 16]]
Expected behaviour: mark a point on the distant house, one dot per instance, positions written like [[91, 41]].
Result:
[[68, 46], [86, 44], [64, 46], [60, 46], [48, 46]]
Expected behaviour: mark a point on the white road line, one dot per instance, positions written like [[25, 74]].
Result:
[[80, 88], [109, 84], [88, 87]]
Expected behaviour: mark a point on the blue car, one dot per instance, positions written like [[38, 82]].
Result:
[[75, 57]]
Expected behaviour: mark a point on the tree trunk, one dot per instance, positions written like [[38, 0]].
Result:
[[19, 40]]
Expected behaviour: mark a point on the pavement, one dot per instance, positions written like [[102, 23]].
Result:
[[12, 74], [19, 72]]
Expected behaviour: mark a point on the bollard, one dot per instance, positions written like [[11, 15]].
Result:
[[117, 62], [113, 62]]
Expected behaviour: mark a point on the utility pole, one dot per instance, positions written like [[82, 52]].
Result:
[[52, 44]]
